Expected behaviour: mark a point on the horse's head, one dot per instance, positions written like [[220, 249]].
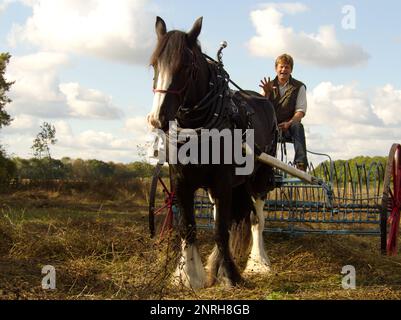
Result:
[[177, 72]]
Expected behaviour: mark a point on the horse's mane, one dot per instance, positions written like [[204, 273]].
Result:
[[170, 50]]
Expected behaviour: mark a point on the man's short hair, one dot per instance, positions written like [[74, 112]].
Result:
[[285, 58]]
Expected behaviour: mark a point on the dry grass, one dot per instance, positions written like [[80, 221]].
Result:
[[104, 252]]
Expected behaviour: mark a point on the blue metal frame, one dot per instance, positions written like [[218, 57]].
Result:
[[298, 208]]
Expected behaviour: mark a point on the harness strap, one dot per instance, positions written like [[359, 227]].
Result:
[[210, 111]]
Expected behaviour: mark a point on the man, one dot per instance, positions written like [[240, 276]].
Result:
[[288, 96]]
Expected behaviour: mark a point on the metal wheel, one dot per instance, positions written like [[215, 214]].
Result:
[[391, 202], [161, 205]]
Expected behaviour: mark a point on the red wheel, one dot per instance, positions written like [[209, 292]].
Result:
[[161, 205], [391, 202]]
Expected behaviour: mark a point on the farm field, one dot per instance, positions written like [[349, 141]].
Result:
[[101, 249]]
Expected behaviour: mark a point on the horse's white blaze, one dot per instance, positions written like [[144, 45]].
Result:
[[163, 83], [190, 271], [258, 261]]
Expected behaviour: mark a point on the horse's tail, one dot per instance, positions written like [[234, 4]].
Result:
[[240, 233]]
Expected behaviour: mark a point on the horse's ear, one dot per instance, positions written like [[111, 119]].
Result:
[[161, 28], [195, 31]]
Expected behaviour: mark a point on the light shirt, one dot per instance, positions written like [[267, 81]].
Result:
[[301, 104]]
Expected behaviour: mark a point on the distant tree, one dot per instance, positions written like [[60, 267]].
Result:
[[141, 169], [5, 86], [8, 168], [121, 172], [79, 170], [99, 170], [43, 140]]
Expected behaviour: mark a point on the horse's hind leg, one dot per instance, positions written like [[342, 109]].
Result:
[[190, 271], [258, 261], [221, 265]]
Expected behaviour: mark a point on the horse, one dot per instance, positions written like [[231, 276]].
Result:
[[192, 90]]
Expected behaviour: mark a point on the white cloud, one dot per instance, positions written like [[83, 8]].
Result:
[[343, 122], [88, 103], [121, 30], [22, 124], [387, 105], [137, 126], [38, 91], [329, 103], [93, 141], [4, 4], [288, 7], [92, 144], [35, 91], [115, 146], [323, 48]]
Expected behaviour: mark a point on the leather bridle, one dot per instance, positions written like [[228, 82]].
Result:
[[193, 76]]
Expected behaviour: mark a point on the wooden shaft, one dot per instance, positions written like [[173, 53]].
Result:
[[275, 163]]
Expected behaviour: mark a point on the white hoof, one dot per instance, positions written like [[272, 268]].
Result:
[[258, 266], [190, 271]]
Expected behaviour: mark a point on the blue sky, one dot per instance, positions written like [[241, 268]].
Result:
[[83, 66]]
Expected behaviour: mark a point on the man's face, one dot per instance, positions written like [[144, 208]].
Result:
[[283, 71]]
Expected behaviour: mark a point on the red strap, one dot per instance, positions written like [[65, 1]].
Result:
[[167, 91]]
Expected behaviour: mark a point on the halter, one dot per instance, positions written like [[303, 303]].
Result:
[[176, 92]]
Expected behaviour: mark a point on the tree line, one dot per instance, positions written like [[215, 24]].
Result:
[[79, 169]]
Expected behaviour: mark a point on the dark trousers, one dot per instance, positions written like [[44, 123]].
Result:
[[296, 135]]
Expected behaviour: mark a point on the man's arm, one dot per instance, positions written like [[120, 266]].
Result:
[[297, 116], [301, 105]]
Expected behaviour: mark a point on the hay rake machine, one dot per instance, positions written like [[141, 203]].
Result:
[[333, 198]]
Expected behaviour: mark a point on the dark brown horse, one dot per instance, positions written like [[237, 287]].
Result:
[[192, 91]]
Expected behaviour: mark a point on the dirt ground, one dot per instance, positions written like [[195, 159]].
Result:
[[102, 250]]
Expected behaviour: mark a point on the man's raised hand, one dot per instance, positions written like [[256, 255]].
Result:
[[267, 86]]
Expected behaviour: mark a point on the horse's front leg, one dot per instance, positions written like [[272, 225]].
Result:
[[258, 261], [221, 265], [190, 271]]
